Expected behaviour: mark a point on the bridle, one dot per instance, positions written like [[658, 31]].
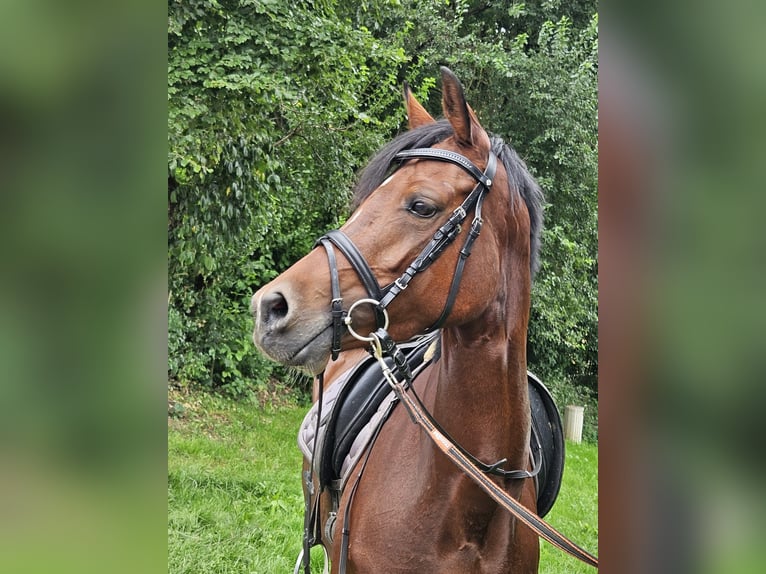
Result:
[[400, 378], [444, 236], [381, 297]]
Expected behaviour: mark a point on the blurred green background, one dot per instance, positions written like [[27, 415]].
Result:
[[82, 287], [681, 300]]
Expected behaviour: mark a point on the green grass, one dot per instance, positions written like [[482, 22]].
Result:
[[234, 493], [234, 496], [575, 513]]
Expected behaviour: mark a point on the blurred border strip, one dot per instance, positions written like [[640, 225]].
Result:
[[681, 284], [83, 100]]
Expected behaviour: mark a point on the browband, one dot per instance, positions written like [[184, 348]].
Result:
[[451, 157]]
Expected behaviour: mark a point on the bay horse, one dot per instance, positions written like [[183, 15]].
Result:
[[413, 511]]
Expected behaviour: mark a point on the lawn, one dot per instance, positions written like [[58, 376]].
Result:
[[234, 495]]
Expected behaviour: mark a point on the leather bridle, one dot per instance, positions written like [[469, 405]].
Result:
[[400, 378], [444, 236], [381, 297]]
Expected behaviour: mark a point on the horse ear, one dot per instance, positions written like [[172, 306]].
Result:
[[455, 107], [465, 123], [416, 114]]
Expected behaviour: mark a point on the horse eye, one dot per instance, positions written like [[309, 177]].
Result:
[[422, 209]]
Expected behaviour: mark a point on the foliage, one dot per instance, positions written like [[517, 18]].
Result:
[[561, 104], [515, 18], [273, 106], [268, 103]]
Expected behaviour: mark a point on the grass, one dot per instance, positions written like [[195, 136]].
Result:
[[234, 495], [575, 513]]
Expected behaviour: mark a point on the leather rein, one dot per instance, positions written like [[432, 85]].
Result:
[[400, 379]]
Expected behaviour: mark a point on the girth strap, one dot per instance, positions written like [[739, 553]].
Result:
[[310, 535]]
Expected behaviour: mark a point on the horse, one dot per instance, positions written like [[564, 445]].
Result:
[[411, 509]]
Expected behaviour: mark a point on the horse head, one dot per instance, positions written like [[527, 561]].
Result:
[[401, 203]]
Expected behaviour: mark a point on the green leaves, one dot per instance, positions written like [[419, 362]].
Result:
[[274, 105], [270, 108]]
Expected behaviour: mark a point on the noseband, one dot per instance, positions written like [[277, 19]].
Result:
[[444, 236]]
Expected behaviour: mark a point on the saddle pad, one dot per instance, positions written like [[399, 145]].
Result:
[[361, 399], [352, 408]]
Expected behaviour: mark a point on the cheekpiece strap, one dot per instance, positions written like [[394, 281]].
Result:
[[336, 306], [360, 265]]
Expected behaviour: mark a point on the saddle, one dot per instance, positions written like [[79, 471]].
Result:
[[548, 432], [361, 400]]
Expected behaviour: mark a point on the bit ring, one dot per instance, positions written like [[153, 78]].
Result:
[[349, 319]]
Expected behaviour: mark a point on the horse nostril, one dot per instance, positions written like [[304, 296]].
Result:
[[273, 307]]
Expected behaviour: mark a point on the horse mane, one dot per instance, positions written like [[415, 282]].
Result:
[[520, 179], [380, 166]]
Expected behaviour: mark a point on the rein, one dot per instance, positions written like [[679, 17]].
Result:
[[382, 345]]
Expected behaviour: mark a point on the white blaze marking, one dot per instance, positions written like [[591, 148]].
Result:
[[353, 217], [388, 179], [359, 210]]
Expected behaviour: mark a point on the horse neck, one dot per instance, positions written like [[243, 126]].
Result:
[[481, 395]]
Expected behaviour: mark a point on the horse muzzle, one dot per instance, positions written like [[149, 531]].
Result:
[[287, 332]]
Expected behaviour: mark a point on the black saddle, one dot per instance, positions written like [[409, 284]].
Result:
[[548, 432], [366, 388], [358, 401]]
